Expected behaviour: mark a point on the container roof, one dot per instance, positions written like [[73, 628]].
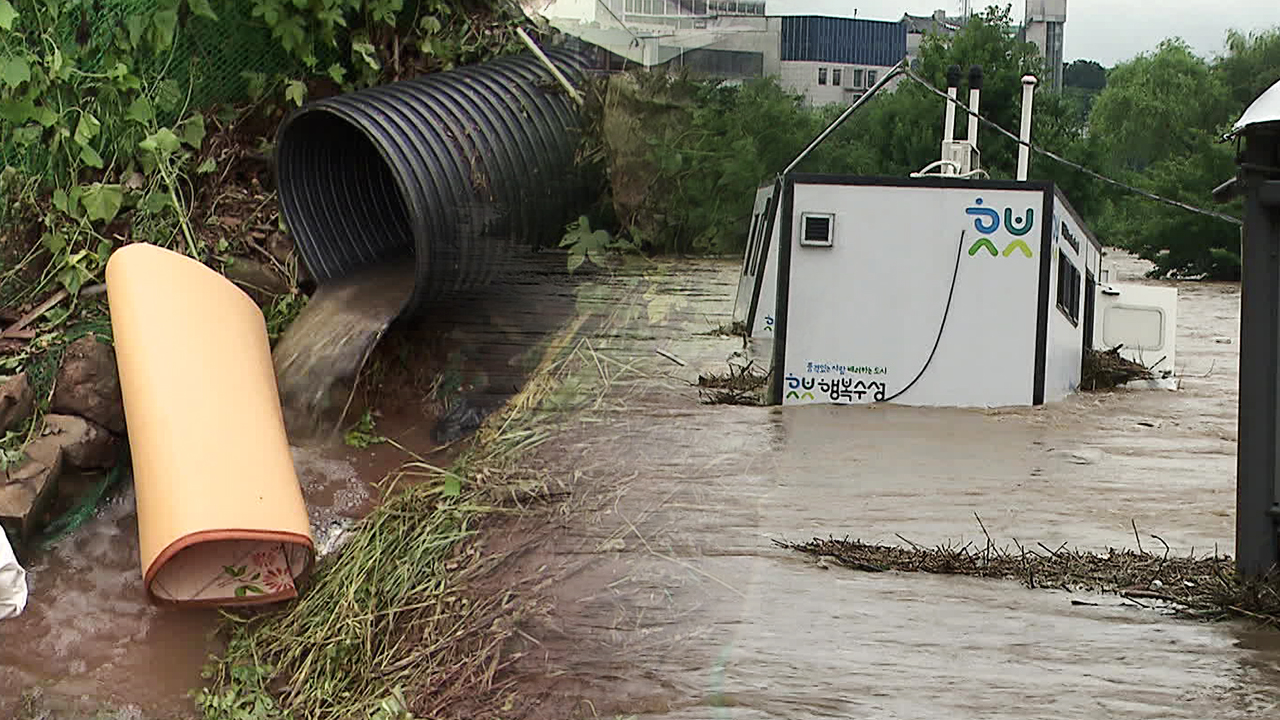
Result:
[[1264, 110]]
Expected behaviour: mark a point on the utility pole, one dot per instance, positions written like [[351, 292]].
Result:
[[1258, 449]]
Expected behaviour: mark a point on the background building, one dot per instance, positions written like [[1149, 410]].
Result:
[[835, 60], [936, 24], [826, 59], [1043, 27]]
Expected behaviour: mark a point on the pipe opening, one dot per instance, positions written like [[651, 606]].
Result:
[[340, 195]]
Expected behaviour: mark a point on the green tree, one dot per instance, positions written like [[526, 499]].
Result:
[[1157, 123], [1158, 106], [1178, 242], [906, 125], [1085, 74], [1250, 65]]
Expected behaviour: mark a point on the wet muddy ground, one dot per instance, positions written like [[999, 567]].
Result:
[[90, 639], [668, 598]]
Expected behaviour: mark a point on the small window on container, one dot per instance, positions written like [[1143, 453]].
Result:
[[1068, 289], [822, 76], [857, 78], [753, 238], [835, 76], [817, 229], [871, 78]]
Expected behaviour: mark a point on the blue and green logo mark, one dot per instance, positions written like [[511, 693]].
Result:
[[987, 222]]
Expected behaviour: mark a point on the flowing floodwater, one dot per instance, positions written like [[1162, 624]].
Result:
[[666, 595], [319, 357], [671, 601]]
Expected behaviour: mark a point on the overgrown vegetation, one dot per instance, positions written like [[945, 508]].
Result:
[[150, 121]]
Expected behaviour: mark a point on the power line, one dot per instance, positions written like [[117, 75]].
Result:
[[1054, 156]]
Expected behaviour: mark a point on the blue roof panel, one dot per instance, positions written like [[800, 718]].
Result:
[[843, 40]]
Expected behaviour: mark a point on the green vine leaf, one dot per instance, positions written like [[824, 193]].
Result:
[[168, 95], [200, 8], [155, 202], [338, 73], [166, 25], [268, 11], [87, 129], [16, 112], [192, 131], [366, 53], [7, 15], [54, 242], [90, 157], [73, 276], [293, 36], [14, 71], [102, 202], [140, 111], [161, 143], [295, 92], [135, 26]]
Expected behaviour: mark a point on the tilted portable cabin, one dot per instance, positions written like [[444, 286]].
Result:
[[925, 291], [933, 289]]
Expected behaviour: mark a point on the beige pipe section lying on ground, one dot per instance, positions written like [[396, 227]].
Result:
[[221, 519]]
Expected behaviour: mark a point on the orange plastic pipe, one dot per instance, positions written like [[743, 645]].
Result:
[[221, 518]]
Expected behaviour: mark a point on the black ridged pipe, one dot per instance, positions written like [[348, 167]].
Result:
[[449, 169]]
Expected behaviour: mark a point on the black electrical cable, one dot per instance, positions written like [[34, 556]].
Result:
[[1058, 158], [955, 274]]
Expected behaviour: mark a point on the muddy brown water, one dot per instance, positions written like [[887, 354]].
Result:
[[671, 602], [668, 599]]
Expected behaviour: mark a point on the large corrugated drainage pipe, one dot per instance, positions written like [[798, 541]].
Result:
[[447, 172]]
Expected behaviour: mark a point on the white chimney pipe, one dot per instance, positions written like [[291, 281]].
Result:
[[949, 123], [975, 97], [1024, 149]]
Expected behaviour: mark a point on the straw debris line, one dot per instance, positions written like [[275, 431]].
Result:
[[1205, 587], [741, 385], [1104, 369]]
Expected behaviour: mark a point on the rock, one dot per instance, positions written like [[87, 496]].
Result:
[[85, 444], [16, 402], [256, 275], [26, 491], [464, 416], [89, 385]]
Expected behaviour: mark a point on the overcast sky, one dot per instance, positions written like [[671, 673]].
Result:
[[1104, 30]]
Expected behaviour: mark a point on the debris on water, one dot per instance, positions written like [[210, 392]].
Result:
[[741, 385], [737, 328], [1205, 587], [1104, 369], [1222, 340], [331, 535], [670, 357]]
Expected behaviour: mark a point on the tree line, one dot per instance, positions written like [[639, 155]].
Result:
[[1154, 122]]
